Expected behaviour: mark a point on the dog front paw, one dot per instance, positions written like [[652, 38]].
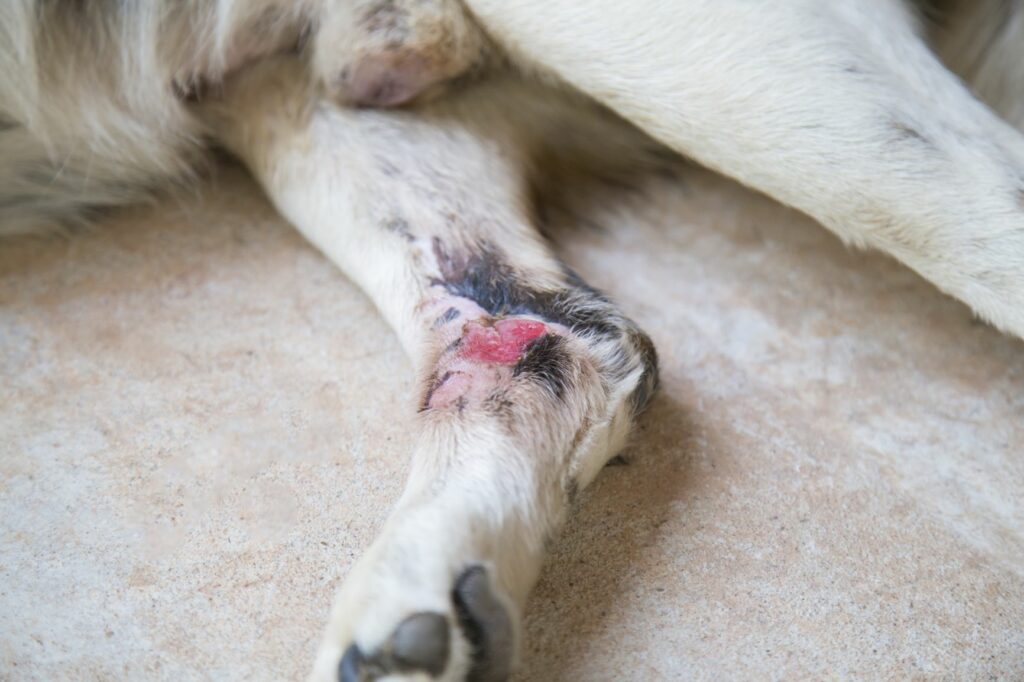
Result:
[[473, 641]]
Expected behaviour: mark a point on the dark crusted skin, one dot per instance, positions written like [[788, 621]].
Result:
[[485, 276]]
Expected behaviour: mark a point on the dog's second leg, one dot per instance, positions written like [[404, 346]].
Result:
[[836, 108], [530, 379]]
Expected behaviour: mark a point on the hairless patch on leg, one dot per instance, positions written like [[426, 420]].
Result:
[[512, 330], [475, 366], [501, 343]]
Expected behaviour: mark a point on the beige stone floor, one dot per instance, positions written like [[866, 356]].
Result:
[[202, 424]]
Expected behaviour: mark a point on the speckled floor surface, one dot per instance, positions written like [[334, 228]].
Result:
[[202, 425]]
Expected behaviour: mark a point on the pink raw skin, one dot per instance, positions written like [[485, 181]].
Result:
[[483, 360], [502, 344]]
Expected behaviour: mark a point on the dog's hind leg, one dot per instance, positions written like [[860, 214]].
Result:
[[530, 379], [836, 108]]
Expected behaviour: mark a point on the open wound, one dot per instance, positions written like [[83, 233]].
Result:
[[502, 343], [482, 359]]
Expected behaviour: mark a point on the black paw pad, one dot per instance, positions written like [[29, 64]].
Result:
[[419, 644], [486, 624]]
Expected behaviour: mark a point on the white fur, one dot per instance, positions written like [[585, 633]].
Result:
[[484, 489], [86, 94], [92, 94], [804, 100], [836, 108]]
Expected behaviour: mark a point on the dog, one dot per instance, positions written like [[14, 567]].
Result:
[[530, 380]]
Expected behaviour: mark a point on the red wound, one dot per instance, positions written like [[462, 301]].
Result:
[[501, 344]]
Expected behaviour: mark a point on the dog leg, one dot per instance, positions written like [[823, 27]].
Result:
[[530, 379], [836, 108]]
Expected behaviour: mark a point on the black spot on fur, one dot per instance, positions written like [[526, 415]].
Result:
[[484, 276], [400, 227], [908, 132], [587, 308], [547, 361], [649, 380], [635, 350], [434, 385], [446, 317]]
